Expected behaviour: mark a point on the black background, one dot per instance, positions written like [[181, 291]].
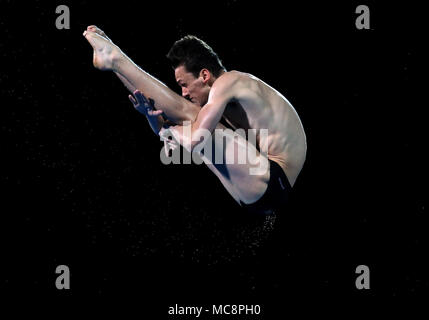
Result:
[[82, 184]]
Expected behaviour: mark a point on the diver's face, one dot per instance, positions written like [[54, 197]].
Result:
[[194, 89]]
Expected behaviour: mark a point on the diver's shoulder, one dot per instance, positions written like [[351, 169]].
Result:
[[241, 75], [235, 76]]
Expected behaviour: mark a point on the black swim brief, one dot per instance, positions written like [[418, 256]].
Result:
[[277, 194]]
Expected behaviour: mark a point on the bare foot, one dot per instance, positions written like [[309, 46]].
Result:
[[96, 29], [106, 54]]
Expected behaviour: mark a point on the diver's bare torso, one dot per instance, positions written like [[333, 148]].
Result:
[[259, 106]]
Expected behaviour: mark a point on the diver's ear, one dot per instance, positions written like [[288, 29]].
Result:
[[206, 75]]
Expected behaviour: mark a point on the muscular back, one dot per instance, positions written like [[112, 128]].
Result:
[[259, 106]]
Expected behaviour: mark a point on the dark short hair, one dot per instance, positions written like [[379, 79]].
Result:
[[195, 55]]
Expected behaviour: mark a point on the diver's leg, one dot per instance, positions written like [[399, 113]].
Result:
[[107, 56]]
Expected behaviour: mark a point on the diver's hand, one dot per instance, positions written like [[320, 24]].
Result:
[[146, 107]]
